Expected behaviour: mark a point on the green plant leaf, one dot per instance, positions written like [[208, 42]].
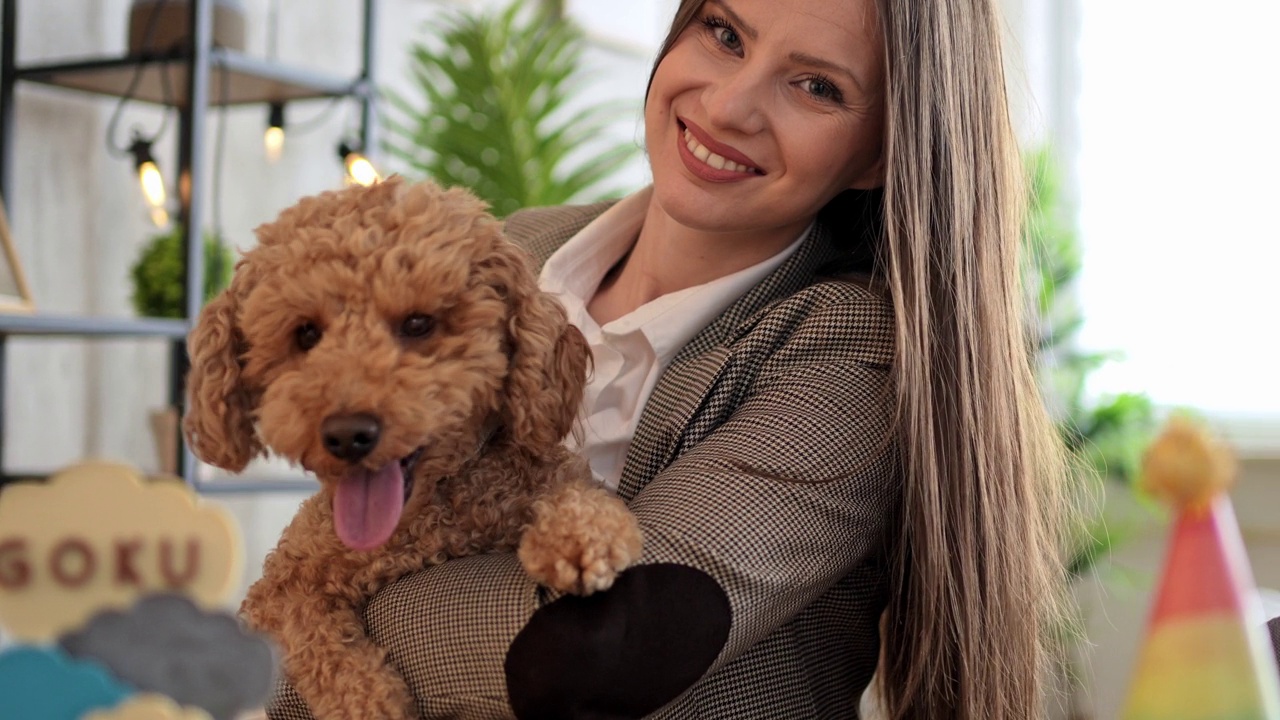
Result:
[[493, 107], [1106, 436]]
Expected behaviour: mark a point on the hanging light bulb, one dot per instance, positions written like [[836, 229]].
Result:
[[150, 179], [359, 170], [273, 138]]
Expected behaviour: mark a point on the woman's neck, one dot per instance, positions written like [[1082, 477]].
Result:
[[669, 257]]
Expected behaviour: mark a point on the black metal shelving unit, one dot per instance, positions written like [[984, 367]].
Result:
[[193, 80]]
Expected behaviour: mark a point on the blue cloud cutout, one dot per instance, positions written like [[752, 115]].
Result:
[[45, 683]]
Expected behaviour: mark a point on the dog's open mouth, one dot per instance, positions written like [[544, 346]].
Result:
[[407, 465], [367, 503]]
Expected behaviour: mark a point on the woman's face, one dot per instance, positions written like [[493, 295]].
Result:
[[764, 110]]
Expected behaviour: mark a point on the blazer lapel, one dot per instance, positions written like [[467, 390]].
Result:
[[670, 413], [672, 410]]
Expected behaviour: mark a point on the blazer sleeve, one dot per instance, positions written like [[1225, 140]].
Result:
[[797, 488]]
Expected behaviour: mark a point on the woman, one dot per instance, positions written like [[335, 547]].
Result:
[[812, 387]]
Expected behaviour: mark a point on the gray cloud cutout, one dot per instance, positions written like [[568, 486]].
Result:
[[165, 644]]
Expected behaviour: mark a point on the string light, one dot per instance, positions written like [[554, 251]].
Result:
[[273, 138], [359, 170], [150, 179]]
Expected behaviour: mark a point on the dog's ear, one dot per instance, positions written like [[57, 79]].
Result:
[[219, 424], [549, 361]]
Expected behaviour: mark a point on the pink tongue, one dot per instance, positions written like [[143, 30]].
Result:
[[367, 505]]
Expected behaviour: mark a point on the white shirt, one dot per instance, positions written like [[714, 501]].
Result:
[[633, 350]]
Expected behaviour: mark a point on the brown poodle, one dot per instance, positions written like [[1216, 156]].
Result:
[[390, 340]]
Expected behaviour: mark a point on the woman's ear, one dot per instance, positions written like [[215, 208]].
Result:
[[219, 418]]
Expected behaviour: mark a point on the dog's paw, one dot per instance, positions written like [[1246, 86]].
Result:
[[580, 541]]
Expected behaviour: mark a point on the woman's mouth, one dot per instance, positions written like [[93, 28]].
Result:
[[713, 164]]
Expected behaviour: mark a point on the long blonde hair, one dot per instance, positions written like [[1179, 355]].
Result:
[[978, 572]]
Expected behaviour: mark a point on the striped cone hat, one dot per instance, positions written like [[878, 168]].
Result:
[[1206, 654]]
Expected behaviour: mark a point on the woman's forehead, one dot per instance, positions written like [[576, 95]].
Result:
[[837, 34]]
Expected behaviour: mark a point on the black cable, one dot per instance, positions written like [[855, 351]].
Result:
[[311, 123], [147, 36]]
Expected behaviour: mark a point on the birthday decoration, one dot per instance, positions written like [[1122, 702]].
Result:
[[46, 684], [1206, 654], [99, 536], [165, 644], [148, 707], [110, 583]]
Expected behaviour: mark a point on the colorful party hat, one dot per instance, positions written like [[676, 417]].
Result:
[[1206, 653]]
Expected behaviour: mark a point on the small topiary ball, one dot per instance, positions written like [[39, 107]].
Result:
[[158, 274]]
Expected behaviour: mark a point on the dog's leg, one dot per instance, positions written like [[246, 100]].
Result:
[[328, 656], [338, 671], [580, 539]]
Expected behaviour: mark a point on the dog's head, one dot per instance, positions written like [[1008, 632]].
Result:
[[377, 336]]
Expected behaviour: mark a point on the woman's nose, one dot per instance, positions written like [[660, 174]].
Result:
[[738, 100]]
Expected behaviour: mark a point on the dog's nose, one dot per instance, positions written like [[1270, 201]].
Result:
[[350, 437]]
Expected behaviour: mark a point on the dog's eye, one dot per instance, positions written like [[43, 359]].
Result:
[[307, 336], [417, 325]]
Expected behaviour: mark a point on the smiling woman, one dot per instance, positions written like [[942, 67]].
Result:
[[810, 386]]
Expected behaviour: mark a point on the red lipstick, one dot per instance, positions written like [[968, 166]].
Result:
[[705, 171]]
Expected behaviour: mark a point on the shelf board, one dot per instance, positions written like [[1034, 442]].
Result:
[[234, 79], [247, 486], [46, 325]]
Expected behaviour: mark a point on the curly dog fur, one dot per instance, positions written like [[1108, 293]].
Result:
[[403, 303]]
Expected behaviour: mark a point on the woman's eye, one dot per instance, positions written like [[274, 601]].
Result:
[[307, 336], [823, 89], [723, 32], [417, 325], [728, 38]]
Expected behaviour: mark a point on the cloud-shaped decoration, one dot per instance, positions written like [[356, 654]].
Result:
[[44, 683], [99, 536], [148, 706], [165, 644]]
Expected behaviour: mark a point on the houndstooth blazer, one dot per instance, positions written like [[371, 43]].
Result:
[[766, 480]]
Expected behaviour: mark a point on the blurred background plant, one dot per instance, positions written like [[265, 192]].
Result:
[[1105, 436], [157, 275], [495, 109]]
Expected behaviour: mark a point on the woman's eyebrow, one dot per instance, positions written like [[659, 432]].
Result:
[[736, 19]]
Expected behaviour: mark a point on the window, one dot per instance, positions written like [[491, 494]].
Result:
[[1179, 177]]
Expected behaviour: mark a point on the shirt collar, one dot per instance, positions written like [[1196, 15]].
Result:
[[578, 266], [668, 322]]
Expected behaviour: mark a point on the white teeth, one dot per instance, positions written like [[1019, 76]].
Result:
[[718, 162]]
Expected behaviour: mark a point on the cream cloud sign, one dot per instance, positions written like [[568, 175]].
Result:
[[99, 536]]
